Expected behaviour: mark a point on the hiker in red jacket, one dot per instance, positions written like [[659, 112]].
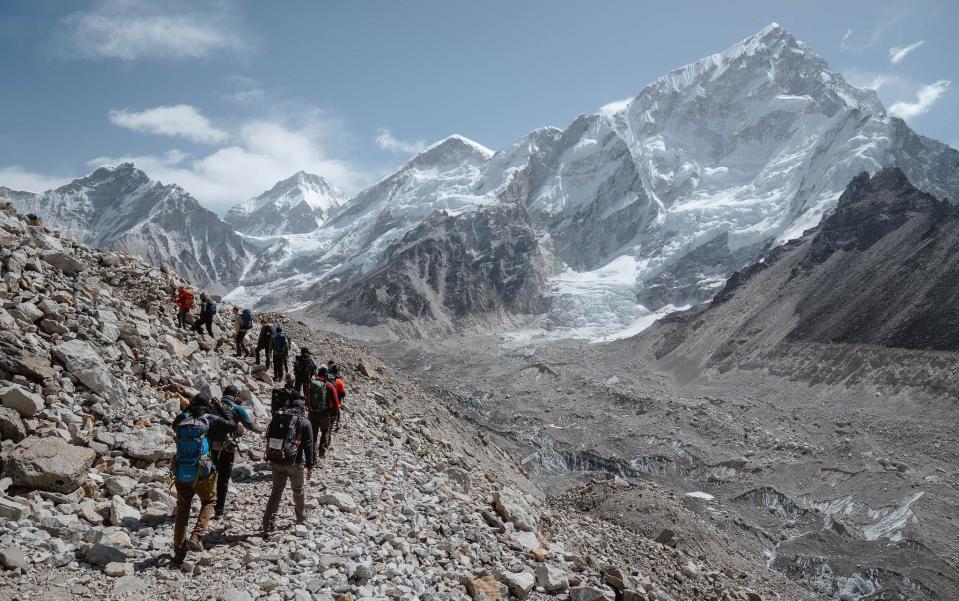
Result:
[[184, 302]]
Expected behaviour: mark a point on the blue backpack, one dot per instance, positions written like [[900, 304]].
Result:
[[281, 344], [247, 319], [213, 308], [192, 461]]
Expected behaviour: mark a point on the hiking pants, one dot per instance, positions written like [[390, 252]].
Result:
[[302, 384], [322, 424], [240, 344], [281, 473], [224, 471], [206, 490], [205, 320], [181, 318], [263, 346], [279, 366]]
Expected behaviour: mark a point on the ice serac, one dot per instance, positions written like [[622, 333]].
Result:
[[297, 205], [121, 208]]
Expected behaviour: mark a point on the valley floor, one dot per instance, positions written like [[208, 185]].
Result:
[[848, 489]]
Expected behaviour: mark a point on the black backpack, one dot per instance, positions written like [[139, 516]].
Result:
[[304, 366], [283, 437], [280, 400]]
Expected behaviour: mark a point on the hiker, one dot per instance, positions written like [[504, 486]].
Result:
[[289, 447], [208, 309], [303, 369], [264, 341], [184, 302], [281, 398], [281, 347], [334, 370], [194, 472], [324, 408], [242, 323], [223, 441]]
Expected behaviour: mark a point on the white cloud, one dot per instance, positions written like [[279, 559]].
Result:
[[844, 43], [262, 152], [897, 53], [926, 96], [136, 29], [179, 120], [248, 90], [18, 178], [615, 106], [386, 141]]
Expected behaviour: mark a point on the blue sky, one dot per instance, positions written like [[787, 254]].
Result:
[[226, 97]]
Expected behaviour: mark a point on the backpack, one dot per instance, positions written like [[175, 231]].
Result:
[[246, 319], [280, 399], [340, 389], [322, 396], [187, 302], [213, 308], [283, 437], [281, 344], [192, 461], [303, 366]]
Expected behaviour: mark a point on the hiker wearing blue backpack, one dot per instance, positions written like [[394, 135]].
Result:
[[242, 324], [281, 349], [194, 472], [208, 309]]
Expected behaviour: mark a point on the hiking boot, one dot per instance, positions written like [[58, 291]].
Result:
[[178, 557], [194, 544], [218, 513]]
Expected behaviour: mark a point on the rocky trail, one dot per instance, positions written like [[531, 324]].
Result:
[[413, 502]]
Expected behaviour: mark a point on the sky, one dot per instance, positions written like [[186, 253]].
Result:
[[226, 97]]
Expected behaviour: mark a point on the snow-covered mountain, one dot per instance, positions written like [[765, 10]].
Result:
[[299, 204], [647, 204], [121, 208]]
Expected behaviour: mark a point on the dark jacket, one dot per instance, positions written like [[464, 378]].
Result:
[[265, 339], [304, 366], [304, 456], [235, 413], [206, 309], [282, 397]]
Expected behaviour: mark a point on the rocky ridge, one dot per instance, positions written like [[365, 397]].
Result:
[[413, 504]]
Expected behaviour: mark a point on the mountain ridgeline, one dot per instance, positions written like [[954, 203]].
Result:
[[692, 180]]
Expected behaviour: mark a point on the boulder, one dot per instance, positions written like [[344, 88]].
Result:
[[23, 401], [101, 555], [82, 361], [482, 588], [120, 485], [519, 584], [552, 579], [512, 507], [64, 262], [122, 514], [11, 426], [117, 569], [13, 558], [27, 312], [12, 510], [586, 593], [48, 464], [147, 444], [340, 500]]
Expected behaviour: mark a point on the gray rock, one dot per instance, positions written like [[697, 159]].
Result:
[[100, 555], [147, 444], [340, 500], [64, 262], [519, 583], [585, 593], [12, 510], [233, 594], [13, 558], [25, 402], [119, 485], [551, 578], [117, 569], [11, 426], [48, 464], [82, 361], [122, 514], [512, 507]]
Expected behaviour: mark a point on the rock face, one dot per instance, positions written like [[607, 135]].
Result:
[[120, 208], [48, 464], [296, 205], [86, 365], [479, 268], [23, 401], [880, 270]]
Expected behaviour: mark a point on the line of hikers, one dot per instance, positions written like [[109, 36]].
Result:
[[271, 340], [305, 411]]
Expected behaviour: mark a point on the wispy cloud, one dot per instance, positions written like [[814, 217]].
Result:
[[260, 153], [19, 178], [844, 43], [897, 53], [926, 96], [387, 141], [247, 90], [180, 120], [136, 29]]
